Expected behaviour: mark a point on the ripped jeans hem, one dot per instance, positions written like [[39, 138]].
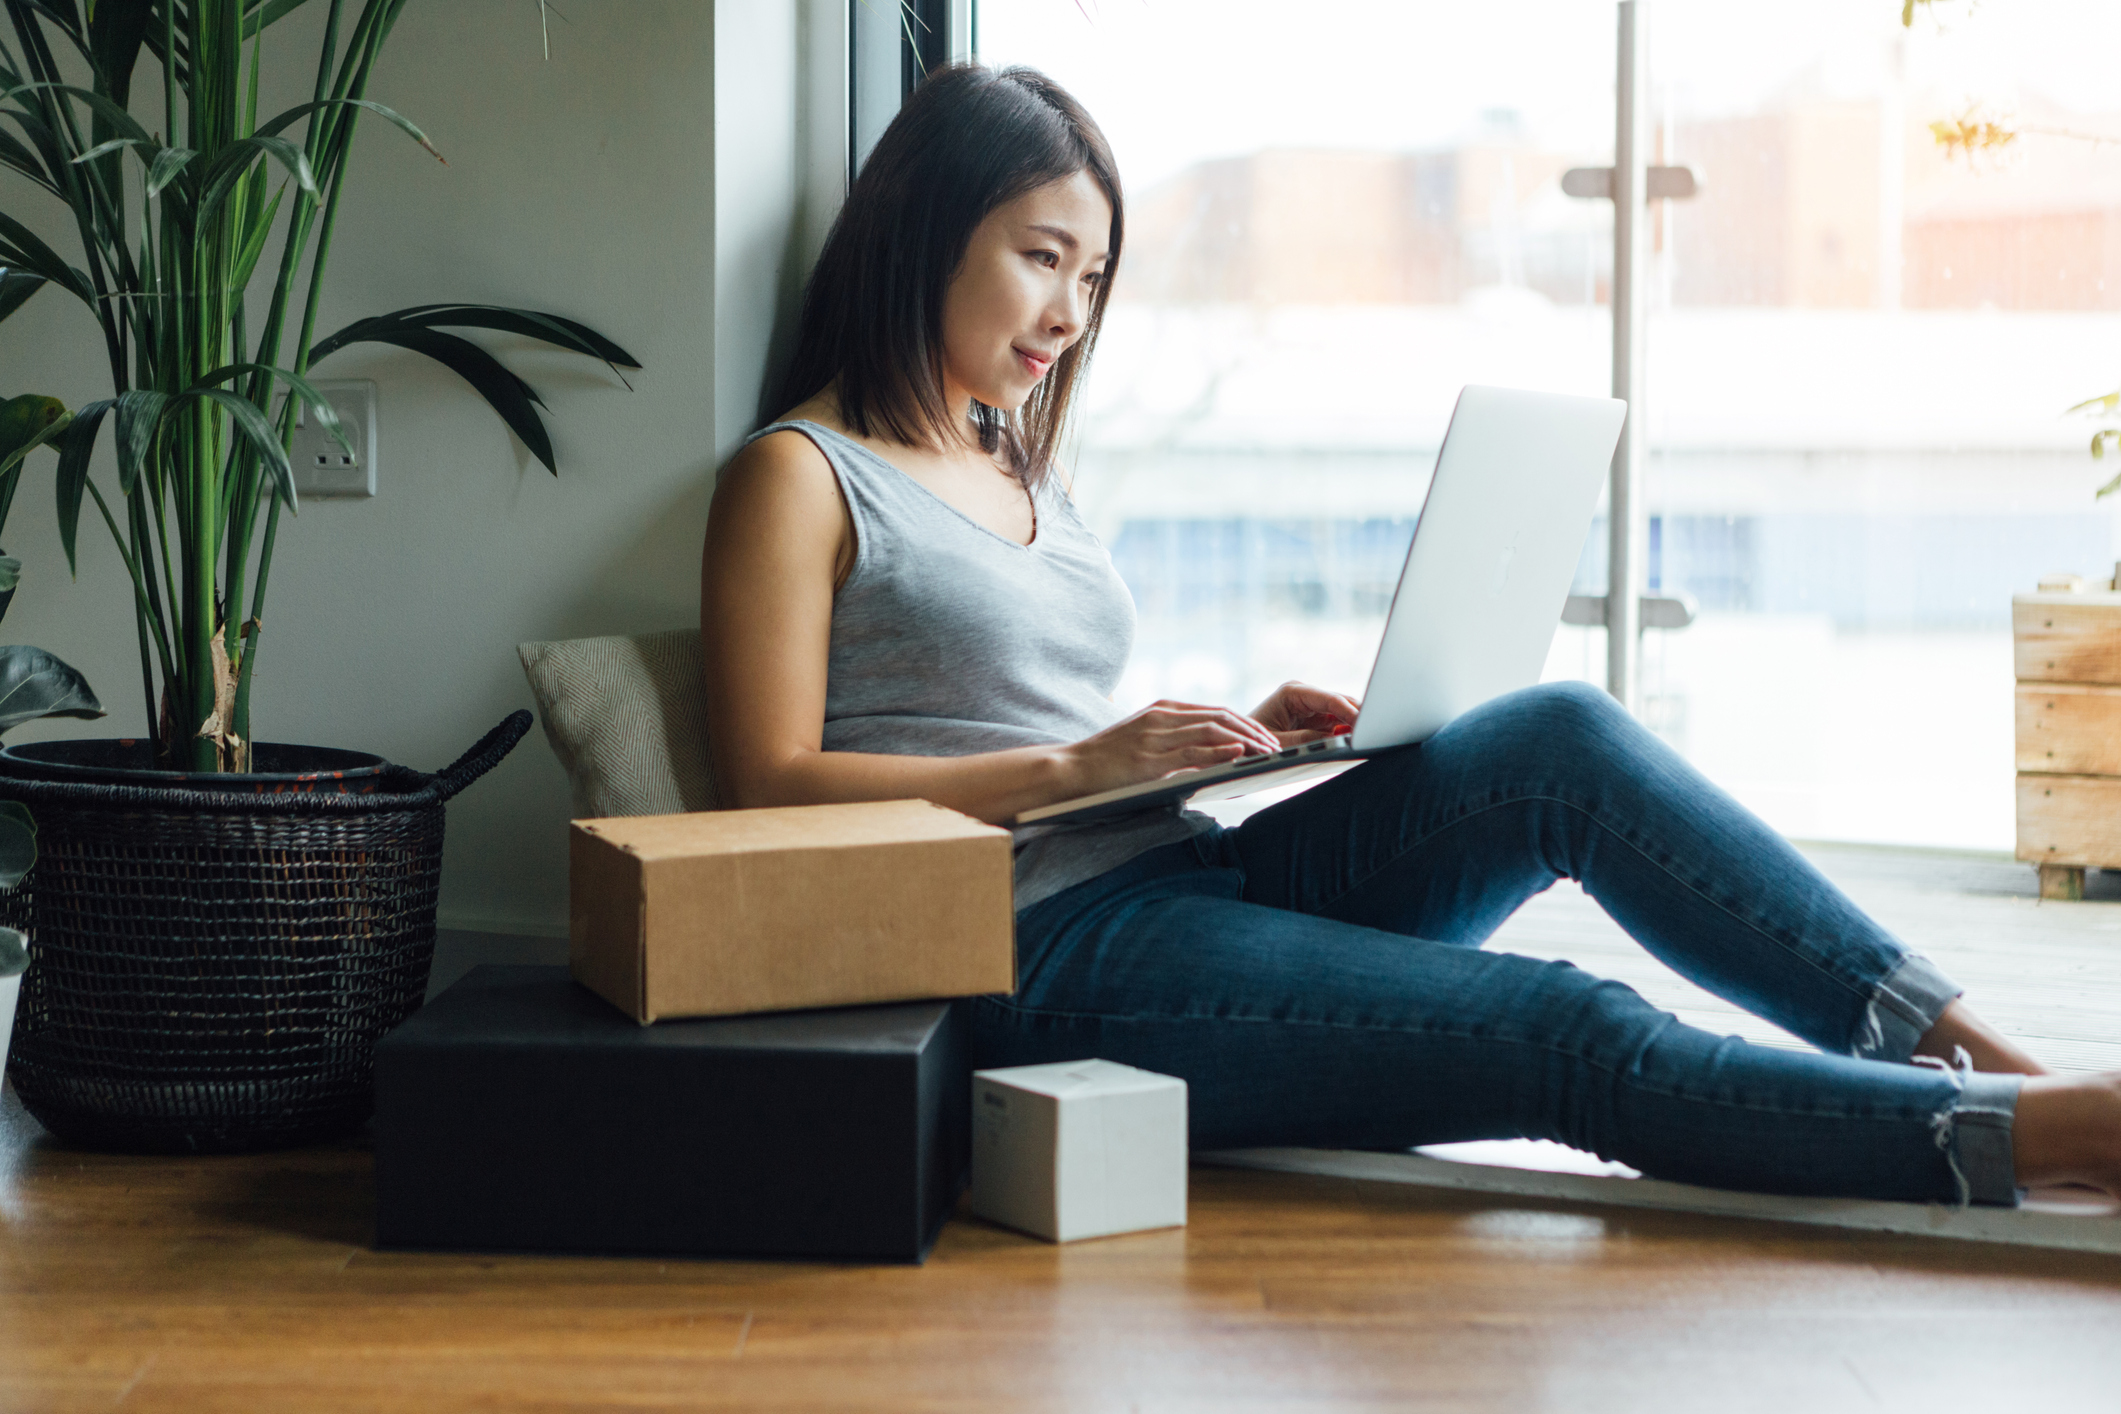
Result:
[[1902, 1009], [1974, 1132]]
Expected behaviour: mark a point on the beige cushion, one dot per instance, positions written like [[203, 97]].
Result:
[[628, 719]]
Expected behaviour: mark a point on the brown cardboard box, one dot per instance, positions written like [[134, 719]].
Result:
[[734, 911]]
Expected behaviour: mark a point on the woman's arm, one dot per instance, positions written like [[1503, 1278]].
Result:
[[779, 540]]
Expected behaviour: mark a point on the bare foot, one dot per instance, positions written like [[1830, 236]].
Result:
[[1957, 1027], [2068, 1130]]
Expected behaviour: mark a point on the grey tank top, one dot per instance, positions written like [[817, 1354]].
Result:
[[948, 639]]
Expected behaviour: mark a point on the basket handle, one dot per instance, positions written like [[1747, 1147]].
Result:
[[482, 757]]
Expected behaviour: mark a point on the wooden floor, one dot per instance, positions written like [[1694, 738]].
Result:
[[249, 1283]]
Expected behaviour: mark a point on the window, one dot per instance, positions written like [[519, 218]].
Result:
[[1332, 226], [1859, 365], [1860, 349]]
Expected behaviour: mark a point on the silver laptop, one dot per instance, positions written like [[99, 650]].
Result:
[[1480, 595]]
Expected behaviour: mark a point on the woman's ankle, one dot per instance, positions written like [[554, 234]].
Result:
[[2067, 1129], [1957, 1028]]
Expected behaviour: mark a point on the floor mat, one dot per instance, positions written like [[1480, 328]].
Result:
[[2077, 1219]]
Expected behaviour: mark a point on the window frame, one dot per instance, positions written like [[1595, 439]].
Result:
[[891, 46]]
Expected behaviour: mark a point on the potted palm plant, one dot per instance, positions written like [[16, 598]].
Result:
[[219, 929]]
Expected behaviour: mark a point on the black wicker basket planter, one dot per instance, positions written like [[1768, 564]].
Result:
[[210, 969]]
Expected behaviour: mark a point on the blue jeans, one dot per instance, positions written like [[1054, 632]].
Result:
[[1316, 974]]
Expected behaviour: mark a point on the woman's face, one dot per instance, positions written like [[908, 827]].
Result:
[[1024, 292]]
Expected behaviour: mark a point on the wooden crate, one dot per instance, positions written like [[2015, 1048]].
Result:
[[2067, 648], [2069, 728]]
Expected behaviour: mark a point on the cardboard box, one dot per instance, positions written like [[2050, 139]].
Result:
[[733, 911], [516, 1112], [1079, 1149]]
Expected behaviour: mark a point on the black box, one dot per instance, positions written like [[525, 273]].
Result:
[[519, 1112]]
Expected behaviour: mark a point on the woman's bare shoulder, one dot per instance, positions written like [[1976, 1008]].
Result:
[[778, 489], [788, 454], [775, 465]]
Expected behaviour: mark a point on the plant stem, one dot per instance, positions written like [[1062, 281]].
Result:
[[367, 39], [256, 625], [131, 568]]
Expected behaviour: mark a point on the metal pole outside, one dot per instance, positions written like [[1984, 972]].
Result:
[[1627, 522]]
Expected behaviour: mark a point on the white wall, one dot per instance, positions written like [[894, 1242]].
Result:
[[597, 185]]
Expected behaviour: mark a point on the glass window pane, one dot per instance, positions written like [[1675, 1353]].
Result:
[[1337, 216], [1860, 353]]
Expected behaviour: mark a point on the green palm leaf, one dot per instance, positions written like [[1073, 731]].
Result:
[[253, 246], [512, 399], [164, 169], [515, 401], [261, 15], [20, 248], [16, 286], [550, 328], [140, 414], [252, 427], [116, 31], [28, 422], [232, 165], [14, 153], [283, 121], [121, 122], [72, 480], [319, 406]]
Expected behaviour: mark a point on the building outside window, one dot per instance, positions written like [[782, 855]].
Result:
[[1861, 347]]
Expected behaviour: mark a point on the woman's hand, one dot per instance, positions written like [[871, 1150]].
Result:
[[1299, 712], [1162, 738]]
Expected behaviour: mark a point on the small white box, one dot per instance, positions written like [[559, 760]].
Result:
[[1078, 1149]]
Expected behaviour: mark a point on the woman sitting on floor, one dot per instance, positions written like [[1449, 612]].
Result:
[[899, 600]]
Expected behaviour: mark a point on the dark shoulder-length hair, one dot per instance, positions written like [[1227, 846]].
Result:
[[969, 140]]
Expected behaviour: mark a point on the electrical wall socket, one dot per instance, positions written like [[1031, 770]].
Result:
[[322, 466]]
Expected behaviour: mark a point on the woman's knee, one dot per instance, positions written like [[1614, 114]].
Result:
[[1552, 735], [1574, 700], [1573, 713]]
